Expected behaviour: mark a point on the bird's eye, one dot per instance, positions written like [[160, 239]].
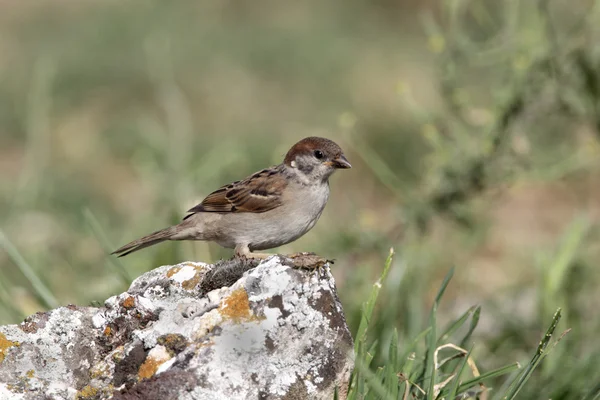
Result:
[[318, 154]]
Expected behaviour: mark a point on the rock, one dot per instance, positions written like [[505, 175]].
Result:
[[233, 330]]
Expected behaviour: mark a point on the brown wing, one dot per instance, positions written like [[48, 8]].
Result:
[[258, 193]]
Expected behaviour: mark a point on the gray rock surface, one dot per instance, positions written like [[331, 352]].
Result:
[[232, 330]]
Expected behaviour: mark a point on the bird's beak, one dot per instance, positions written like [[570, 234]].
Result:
[[341, 163]]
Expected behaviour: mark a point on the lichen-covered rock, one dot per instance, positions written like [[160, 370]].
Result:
[[232, 330]]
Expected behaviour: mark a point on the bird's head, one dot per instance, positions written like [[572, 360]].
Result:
[[316, 158]]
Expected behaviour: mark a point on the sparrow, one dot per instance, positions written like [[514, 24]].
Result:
[[268, 209]]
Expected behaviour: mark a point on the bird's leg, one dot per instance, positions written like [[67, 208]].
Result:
[[244, 251]]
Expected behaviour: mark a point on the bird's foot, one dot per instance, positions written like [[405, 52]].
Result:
[[244, 252]]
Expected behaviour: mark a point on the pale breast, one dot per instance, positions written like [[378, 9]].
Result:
[[299, 213]]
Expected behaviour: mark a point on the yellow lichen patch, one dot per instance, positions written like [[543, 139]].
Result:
[[87, 392], [6, 344], [118, 354], [107, 330], [99, 370], [236, 306], [156, 357], [30, 374], [173, 271], [129, 302]]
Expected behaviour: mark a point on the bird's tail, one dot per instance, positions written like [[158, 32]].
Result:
[[148, 240]]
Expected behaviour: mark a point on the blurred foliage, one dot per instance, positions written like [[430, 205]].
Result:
[[473, 128]]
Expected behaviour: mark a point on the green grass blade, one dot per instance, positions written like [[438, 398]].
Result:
[[444, 285], [369, 306], [40, 288], [430, 371], [410, 348], [370, 353], [454, 388], [474, 322], [539, 355], [393, 367], [357, 386], [489, 375], [409, 364], [456, 325], [373, 382], [360, 380]]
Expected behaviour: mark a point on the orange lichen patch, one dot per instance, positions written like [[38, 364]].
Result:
[[128, 302], [6, 344], [191, 283], [187, 269], [148, 368], [107, 331], [156, 357], [173, 271], [237, 306], [87, 392]]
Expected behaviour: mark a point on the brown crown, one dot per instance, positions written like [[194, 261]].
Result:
[[309, 145]]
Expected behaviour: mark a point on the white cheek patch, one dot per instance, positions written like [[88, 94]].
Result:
[[294, 164]]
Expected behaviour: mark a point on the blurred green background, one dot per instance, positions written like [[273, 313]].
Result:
[[473, 128]]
